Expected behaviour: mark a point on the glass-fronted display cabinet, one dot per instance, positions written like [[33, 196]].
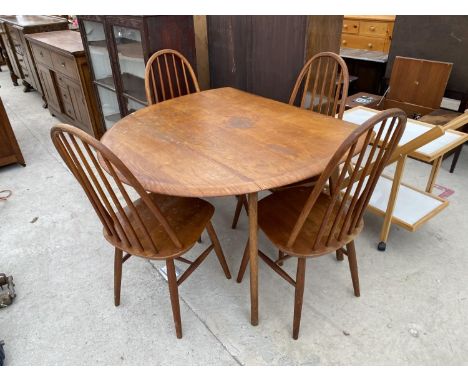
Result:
[[118, 48]]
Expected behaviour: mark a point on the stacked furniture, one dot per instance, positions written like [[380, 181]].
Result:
[[18, 49], [9, 149], [65, 77], [118, 48]]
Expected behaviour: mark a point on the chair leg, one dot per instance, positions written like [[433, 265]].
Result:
[[455, 159], [244, 262], [280, 256], [298, 296], [339, 254], [117, 275], [237, 213], [174, 294], [353, 267], [218, 249]]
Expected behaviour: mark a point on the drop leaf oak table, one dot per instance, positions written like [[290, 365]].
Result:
[[225, 142]]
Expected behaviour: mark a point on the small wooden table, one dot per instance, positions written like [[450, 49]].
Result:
[[225, 142]]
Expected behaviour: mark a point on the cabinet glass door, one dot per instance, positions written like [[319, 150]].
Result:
[[109, 106], [99, 54], [103, 78], [132, 64]]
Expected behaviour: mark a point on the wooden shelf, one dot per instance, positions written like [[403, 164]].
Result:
[[413, 207], [113, 117], [134, 87], [107, 82]]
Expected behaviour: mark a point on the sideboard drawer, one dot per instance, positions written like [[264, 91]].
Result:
[[362, 42], [373, 28], [64, 65], [42, 55], [350, 26]]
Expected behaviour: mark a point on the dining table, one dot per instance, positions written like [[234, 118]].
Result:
[[223, 142]]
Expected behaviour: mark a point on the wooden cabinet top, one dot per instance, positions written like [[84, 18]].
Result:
[[66, 41], [31, 22], [370, 18]]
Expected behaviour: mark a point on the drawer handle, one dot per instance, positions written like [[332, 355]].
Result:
[[369, 45], [344, 42], [63, 64], [372, 28], [345, 26], [355, 26]]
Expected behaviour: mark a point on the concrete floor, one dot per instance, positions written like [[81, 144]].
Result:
[[413, 307]]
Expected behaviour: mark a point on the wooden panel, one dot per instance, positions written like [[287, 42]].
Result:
[[420, 82], [45, 75], [201, 45], [9, 149], [229, 50], [323, 34], [350, 26], [277, 54], [264, 54], [373, 28], [362, 42]]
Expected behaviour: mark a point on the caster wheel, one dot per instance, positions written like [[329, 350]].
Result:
[[382, 246]]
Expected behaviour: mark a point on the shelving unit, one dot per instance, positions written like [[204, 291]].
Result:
[[118, 48]]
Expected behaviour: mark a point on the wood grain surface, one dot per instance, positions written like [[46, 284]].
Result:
[[224, 142]]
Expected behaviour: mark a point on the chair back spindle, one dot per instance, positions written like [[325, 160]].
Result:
[[322, 85], [356, 168], [169, 75], [99, 173]]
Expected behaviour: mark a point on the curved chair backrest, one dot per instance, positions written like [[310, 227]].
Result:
[[169, 75], [89, 161], [352, 183], [322, 85]]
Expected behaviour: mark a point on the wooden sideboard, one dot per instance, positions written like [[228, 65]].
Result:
[[18, 49], [9, 149], [367, 32], [64, 73]]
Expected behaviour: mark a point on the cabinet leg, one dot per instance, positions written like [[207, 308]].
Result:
[[27, 87], [14, 79]]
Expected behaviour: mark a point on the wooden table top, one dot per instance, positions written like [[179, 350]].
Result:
[[224, 142], [67, 41]]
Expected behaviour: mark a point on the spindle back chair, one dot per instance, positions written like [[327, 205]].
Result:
[[153, 226], [309, 222], [169, 75], [322, 85]]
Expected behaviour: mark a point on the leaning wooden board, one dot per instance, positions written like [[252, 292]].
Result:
[[9, 149]]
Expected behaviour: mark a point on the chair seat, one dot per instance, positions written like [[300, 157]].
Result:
[[278, 213], [188, 218]]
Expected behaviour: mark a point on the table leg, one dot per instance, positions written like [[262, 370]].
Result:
[[253, 251]]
